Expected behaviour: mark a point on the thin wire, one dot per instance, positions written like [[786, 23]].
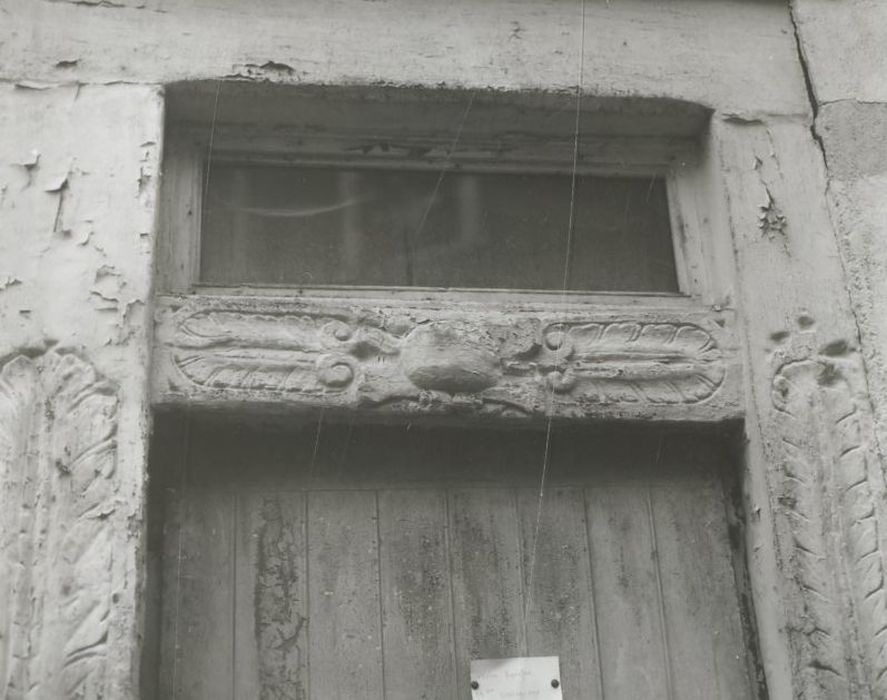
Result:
[[443, 168], [546, 455], [316, 443], [212, 136]]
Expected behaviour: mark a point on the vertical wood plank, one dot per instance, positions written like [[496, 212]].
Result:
[[416, 605], [345, 640], [270, 617], [624, 575], [699, 594], [179, 225], [198, 600], [561, 615], [486, 579]]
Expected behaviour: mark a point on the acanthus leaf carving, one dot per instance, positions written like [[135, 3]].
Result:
[[829, 505], [411, 359], [632, 361], [58, 452]]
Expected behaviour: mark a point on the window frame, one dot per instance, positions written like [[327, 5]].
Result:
[[190, 151]]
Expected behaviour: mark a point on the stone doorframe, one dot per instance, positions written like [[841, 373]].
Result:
[[779, 352]]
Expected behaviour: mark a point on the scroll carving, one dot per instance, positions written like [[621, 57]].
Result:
[[402, 358], [828, 499], [58, 453]]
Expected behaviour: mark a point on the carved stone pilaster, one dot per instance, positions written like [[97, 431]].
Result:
[[414, 359], [58, 454], [828, 500]]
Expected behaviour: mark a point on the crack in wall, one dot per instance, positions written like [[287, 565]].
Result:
[[817, 138], [808, 83]]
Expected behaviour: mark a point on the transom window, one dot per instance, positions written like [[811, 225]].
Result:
[[409, 227]]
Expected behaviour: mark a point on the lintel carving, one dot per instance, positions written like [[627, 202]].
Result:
[[412, 358]]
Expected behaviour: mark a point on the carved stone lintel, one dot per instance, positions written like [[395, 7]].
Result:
[[828, 500], [58, 454], [411, 358]]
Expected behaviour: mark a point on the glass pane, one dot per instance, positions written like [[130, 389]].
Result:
[[305, 226]]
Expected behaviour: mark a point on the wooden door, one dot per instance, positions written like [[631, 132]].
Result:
[[377, 561]]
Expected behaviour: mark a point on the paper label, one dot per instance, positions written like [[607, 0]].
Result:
[[526, 678]]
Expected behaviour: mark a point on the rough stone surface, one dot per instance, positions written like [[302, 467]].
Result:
[[843, 43], [853, 134]]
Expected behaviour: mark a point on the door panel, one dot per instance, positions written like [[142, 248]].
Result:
[[198, 598], [485, 576], [704, 634], [417, 607], [625, 577], [560, 612], [297, 575], [345, 648]]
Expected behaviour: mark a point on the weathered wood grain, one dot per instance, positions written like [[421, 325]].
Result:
[[699, 597], [387, 585], [197, 655], [417, 613], [485, 555], [635, 655], [559, 597], [345, 653]]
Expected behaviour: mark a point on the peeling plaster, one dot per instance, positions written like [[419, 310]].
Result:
[[30, 160], [90, 3], [35, 85], [107, 287], [56, 183]]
